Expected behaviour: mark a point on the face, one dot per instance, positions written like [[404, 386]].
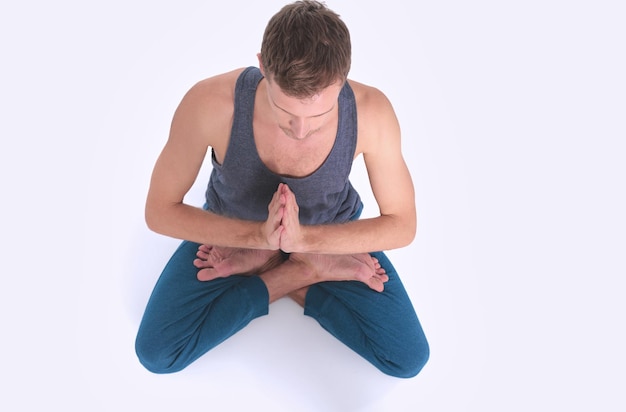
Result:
[[301, 118]]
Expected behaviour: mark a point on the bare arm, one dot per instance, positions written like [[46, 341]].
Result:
[[202, 120], [391, 183]]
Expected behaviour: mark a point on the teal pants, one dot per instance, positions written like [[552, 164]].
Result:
[[185, 317]]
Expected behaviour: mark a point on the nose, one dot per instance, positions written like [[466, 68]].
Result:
[[299, 127]]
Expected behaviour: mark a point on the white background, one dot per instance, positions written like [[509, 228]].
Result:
[[513, 117]]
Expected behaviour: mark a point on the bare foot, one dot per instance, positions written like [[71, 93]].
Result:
[[361, 267], [220, 262]]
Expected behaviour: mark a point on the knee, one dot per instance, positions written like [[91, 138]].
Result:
[[415, 363], [407, 363], [154, 357]]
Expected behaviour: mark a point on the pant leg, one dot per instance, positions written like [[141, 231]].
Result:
[[381, 327], [184, 318]]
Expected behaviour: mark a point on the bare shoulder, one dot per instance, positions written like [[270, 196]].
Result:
[[216, 87], [377, 121], [205, 112], [368, 96], [213, 95]]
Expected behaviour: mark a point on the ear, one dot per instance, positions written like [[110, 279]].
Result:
[[260, 64]]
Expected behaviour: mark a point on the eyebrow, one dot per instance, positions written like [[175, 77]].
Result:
[[317, 115]]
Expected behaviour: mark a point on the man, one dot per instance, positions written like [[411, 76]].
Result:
[[281, 217]]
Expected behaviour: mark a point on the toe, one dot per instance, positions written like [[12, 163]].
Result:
[[202, 255], [206, 274]]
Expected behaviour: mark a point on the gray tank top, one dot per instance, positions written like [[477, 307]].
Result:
[[242, 186]]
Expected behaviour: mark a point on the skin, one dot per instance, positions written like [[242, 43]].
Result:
[[293, 137]]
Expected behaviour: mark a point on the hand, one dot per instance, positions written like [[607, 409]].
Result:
[[282, 229], [272, 228], [291, 231]]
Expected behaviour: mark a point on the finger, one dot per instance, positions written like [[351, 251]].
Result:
[[282, 191], [291, 212], [290, 198], [275, 205], [291, 221], [275, 216], [271, 227]]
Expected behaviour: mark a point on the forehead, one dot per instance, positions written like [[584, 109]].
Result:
[[312, 106]]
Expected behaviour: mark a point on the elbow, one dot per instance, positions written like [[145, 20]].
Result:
[[407, 233], [413, 231], [152, 218], [408, 236], [412, 234], [402, 232]]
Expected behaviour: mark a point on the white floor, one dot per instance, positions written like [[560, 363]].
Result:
[[513, 123]]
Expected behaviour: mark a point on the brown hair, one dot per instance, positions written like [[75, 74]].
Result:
[[306, 48]]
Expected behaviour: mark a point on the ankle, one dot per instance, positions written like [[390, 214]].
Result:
[[299, 296], [305, 267]]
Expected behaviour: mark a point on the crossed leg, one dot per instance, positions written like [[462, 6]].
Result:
[[381, 327], [185, 317]]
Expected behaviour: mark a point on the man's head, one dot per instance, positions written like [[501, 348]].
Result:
[[305, 49]]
